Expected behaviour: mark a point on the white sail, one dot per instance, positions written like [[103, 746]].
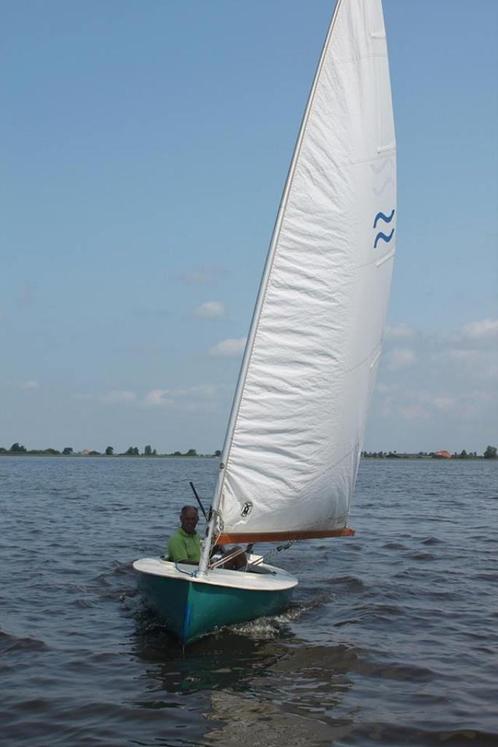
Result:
[[296, 430]]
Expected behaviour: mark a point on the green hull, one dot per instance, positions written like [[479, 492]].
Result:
[[191, 609]]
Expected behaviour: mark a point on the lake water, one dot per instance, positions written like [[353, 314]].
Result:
[[392, 638]]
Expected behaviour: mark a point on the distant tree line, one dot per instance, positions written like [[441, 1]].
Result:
[[148, 451], [490, 452]]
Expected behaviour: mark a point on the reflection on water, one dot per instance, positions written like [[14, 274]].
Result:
[[248, 722], [264, 685], [226, 659]]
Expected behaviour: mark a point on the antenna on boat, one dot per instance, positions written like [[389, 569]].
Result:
[[198, 499]]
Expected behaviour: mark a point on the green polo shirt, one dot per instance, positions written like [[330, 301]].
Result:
[[183, 546]]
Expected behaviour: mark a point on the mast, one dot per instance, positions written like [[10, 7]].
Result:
[[259, 303]]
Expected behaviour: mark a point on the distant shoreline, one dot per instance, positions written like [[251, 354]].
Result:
[[18, 449], [106, 456], [415, 457], [387, 457]]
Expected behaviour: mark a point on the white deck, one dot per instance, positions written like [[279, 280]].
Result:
[[266, 578]]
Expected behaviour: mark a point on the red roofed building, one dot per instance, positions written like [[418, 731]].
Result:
[[443, 454]]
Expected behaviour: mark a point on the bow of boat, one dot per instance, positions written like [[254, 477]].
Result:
[[192, 605]]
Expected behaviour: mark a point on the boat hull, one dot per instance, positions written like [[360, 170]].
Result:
[[190, 607]]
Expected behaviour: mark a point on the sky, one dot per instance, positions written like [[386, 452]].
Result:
[[144, 148]]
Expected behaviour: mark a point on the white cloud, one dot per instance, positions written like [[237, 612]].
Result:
[[202, 397], [485, 329], [382, 388], [118, 396], [414, 411], [462, 355], [399, 332], [476, 363], [444, 404], [191, 398], [159, 397], [210, 310], [30, 385], [231, 348], [196, 277], [438, 388], [26, 295], [203, 275], [400, 358]]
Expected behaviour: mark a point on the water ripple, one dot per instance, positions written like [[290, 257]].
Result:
[[391, 638]]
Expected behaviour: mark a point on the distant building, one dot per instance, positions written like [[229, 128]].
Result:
[[443, 454]]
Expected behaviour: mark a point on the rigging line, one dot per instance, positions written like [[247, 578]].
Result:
[[235, 552], [272, 553], [192, 574]]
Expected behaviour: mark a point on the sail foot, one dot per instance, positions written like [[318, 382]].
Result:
[[253, 537]]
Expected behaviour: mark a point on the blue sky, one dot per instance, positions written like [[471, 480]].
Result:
[[144, 150]]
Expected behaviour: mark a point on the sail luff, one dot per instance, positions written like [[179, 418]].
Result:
[[267, 270]]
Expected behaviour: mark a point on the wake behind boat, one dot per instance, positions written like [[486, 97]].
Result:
[[295, 433]]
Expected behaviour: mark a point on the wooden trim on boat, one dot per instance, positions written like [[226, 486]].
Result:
[[235, 537]]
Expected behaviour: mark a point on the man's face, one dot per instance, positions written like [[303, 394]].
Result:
[[189, 519]]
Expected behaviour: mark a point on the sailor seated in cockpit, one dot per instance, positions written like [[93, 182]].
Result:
[[184, 545]]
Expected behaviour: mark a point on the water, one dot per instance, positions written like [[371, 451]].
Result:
[[391, 640]]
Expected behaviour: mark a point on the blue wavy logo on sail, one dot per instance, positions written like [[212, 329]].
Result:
[[381, 236]]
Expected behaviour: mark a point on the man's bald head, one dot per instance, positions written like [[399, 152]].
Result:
[[189, 516]]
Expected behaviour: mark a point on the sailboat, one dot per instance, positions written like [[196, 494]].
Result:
[[294, 437]]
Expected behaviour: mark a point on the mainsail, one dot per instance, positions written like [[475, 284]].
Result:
[[295, 434]]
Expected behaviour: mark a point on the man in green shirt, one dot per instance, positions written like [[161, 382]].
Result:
[[184, 545]]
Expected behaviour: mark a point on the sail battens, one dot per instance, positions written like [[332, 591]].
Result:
[[367, 360], [252, 537], [376, 358], [386, 258]]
